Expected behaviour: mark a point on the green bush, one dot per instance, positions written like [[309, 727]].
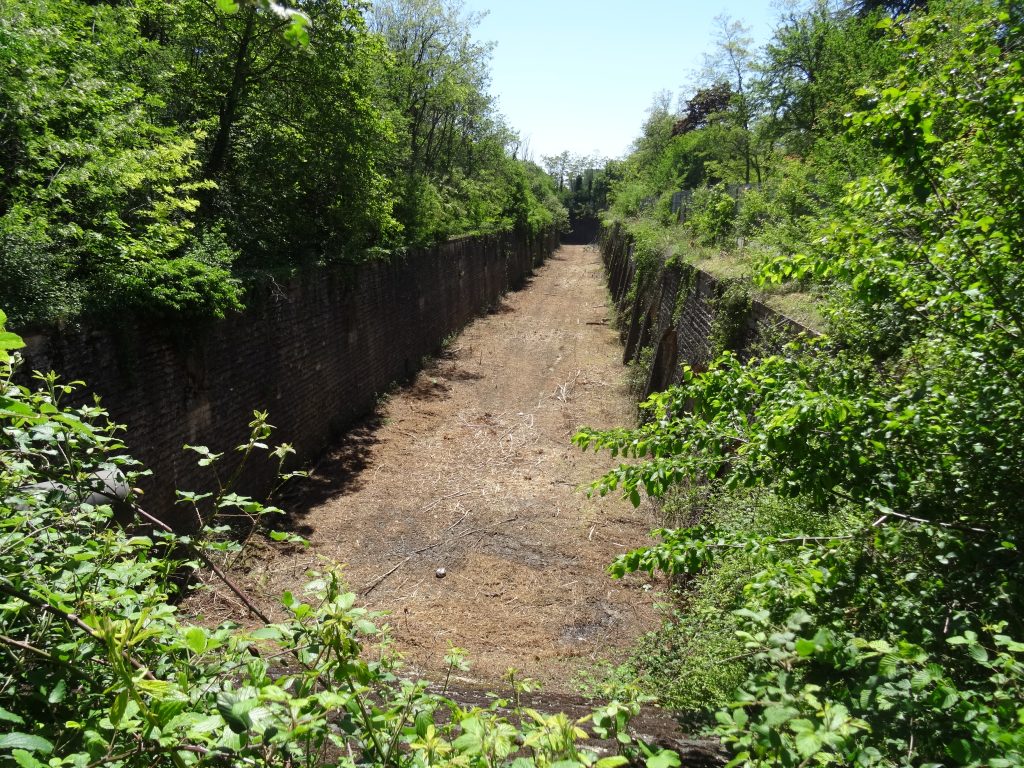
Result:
[[885, 624], [696, 660], [712, 214], [38, 287], [175, 289]]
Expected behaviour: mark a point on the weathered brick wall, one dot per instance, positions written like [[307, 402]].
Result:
[[314, 353], [677, 311]]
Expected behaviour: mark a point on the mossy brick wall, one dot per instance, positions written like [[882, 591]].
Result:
[[315, 353], [677, 312]]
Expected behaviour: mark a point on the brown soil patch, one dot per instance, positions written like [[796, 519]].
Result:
[[470, 469]]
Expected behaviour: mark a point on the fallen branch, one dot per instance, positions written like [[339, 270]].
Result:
[[209, 564], [564, 391], [442, 541], [437, 501], [487, 528]]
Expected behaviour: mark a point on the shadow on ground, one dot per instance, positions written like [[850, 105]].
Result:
[[337, 473]]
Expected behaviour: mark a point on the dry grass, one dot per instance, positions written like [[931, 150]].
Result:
[[739, 264], [470, 469]]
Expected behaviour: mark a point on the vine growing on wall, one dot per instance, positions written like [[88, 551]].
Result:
[[730, 316]]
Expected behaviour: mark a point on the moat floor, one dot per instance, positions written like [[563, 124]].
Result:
[[470, 469]]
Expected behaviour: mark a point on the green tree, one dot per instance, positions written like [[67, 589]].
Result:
[[732, 62], [297, 142], [98, 197], [811, 69], [454, 147]]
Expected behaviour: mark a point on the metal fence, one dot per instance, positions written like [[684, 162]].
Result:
[[683, 199]]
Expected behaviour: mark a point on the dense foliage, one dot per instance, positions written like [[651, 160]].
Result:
[[851, 507], [157, 155], [581, 183]]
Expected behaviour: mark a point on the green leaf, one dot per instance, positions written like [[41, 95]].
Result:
[[25, 760], [920, 679], [665, 758], [366, 627], [805, 647], [266, 633], [808, 743], [297, 32], [10, 340], [960, 750], [25, 741], [10, 717], [117, 709], [235, 710], [195, 639], [776, 716], [9, 407], [59, 691]]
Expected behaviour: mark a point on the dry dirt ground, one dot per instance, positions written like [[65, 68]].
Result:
[[470, 468]]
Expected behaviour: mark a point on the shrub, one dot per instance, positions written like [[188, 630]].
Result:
[[712, 214]]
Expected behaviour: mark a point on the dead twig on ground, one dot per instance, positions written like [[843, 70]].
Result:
[[377, 582], [437, 501], [564, 391], [487, 529], [457, 522]]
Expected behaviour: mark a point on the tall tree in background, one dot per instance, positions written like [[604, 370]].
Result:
[[297, 142], [811, 69], [156, 155], [559, 167], [733, 61], [450, 131]]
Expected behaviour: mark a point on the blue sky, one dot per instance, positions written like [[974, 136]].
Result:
[[580, 75]]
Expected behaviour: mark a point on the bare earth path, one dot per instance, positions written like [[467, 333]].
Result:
[[470, 469]]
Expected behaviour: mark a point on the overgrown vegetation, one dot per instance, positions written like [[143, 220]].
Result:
[[159, 155], [581, 183], [756, 154], [848, 525]]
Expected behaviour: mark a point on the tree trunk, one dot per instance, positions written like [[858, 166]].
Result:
[[230, 103]]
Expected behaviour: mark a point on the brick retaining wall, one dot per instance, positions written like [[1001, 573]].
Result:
[[315, 353]]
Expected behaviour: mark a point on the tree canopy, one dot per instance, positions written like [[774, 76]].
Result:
[[158, 156]]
